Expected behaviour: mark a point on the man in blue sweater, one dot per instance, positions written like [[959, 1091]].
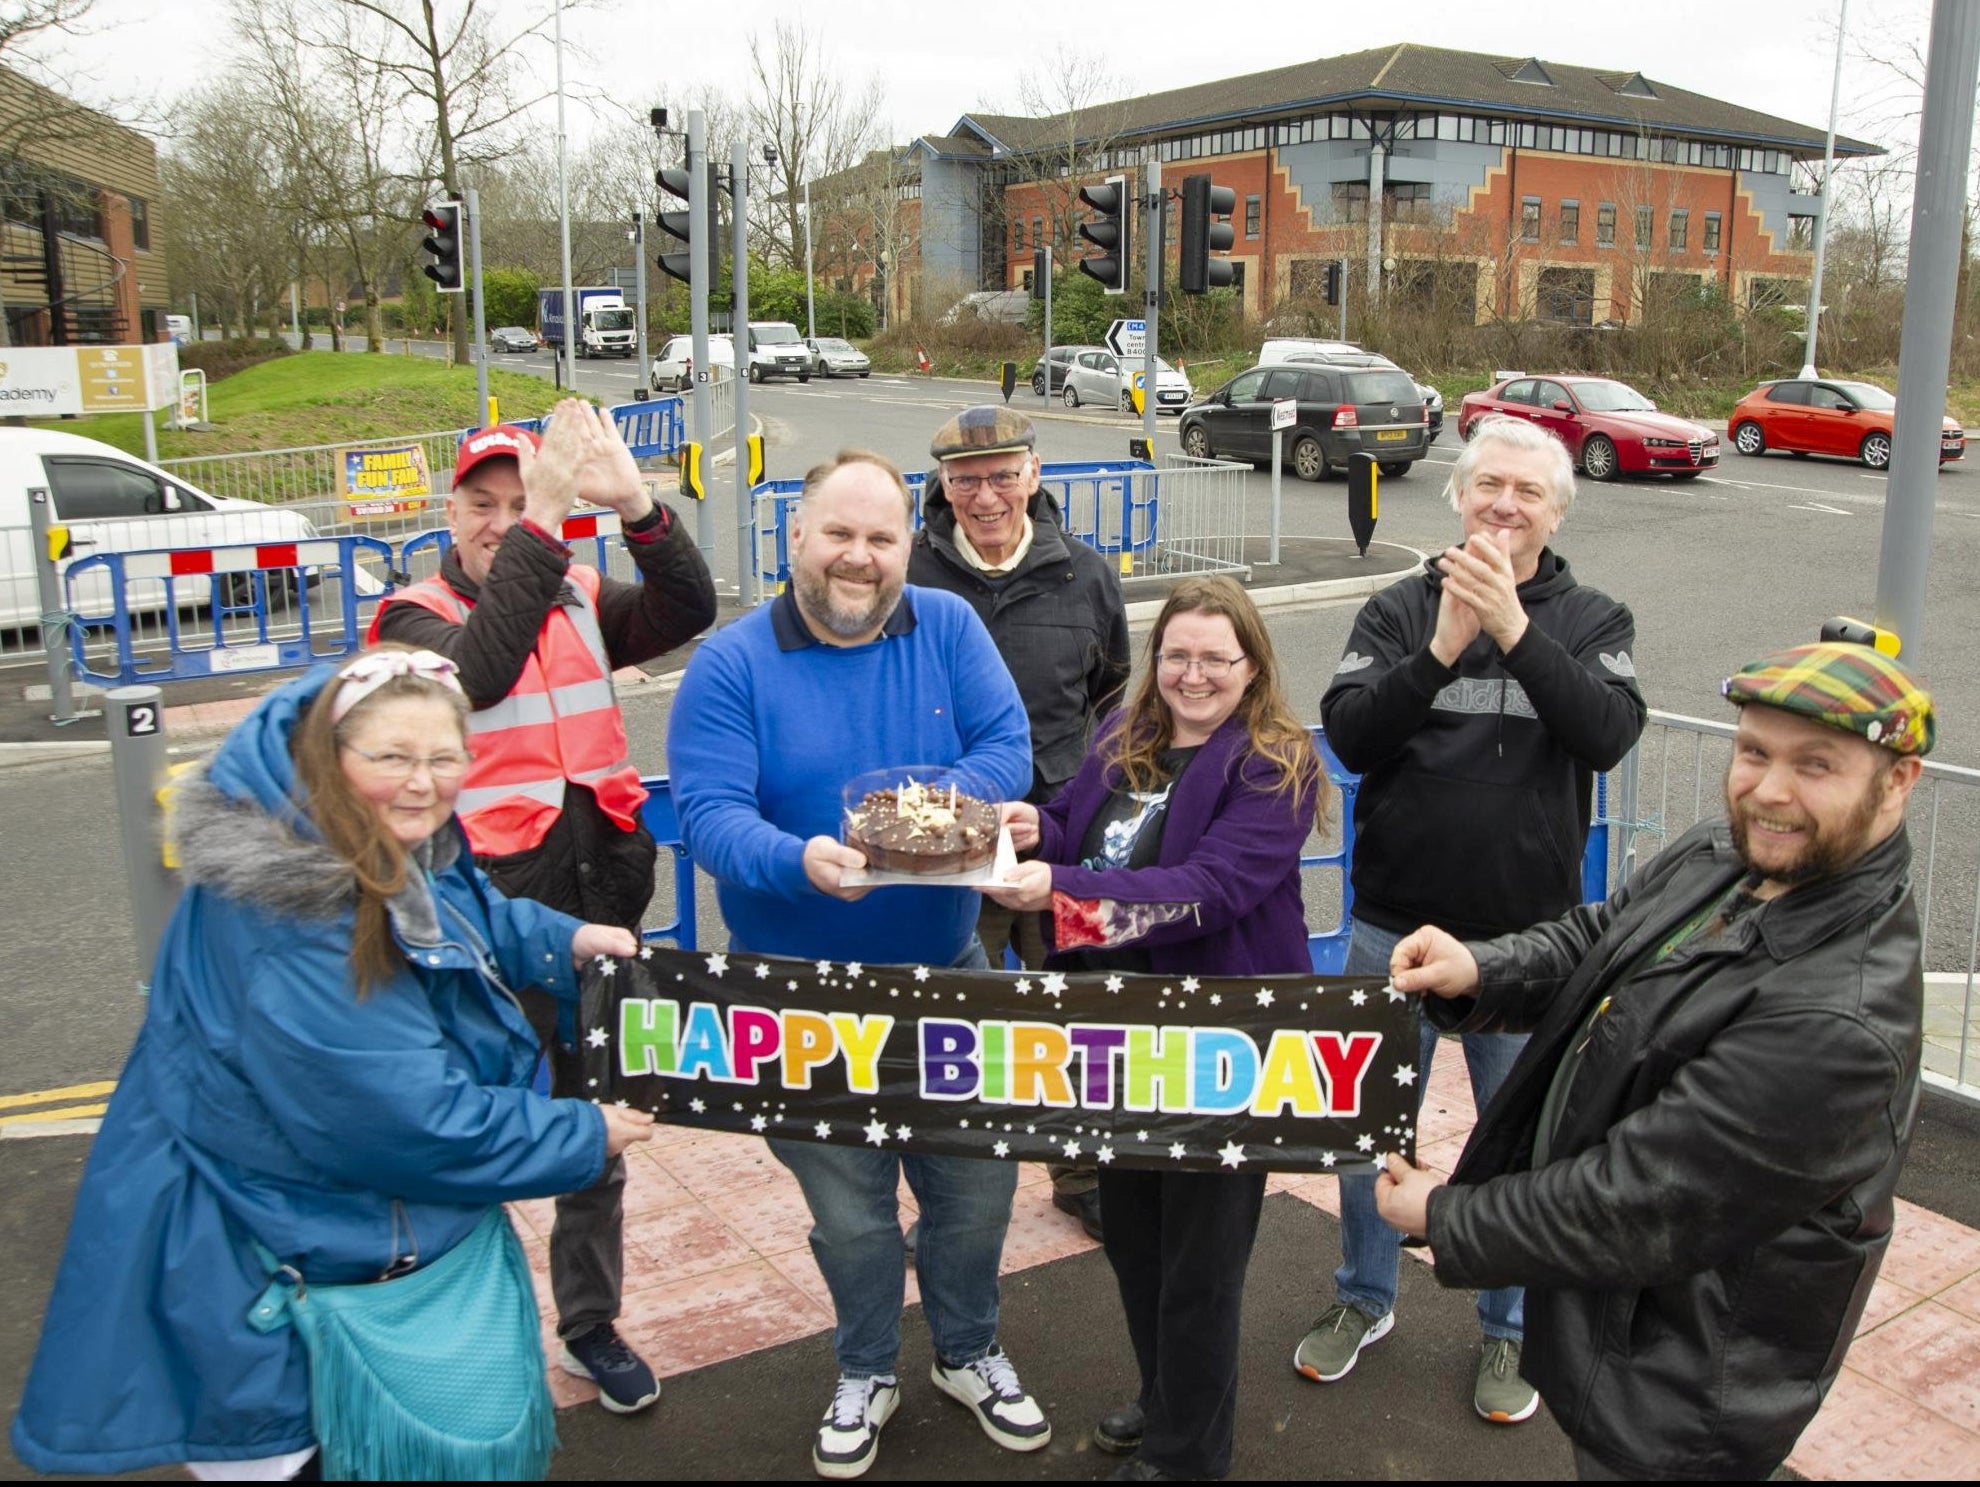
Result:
[[851, 670]]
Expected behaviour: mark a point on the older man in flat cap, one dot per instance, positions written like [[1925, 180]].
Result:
[[1053, 606], [1691, 1167]]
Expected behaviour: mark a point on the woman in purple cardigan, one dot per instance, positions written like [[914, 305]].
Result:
[[1175, 849]]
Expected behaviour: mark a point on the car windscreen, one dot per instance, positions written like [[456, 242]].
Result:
[[1868, 395], [1612, 397], [1380, 387], [775, 335], [834, 345], [612, 319]]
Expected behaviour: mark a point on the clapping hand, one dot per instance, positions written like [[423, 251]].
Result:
[[610, 476], [1479, 573]]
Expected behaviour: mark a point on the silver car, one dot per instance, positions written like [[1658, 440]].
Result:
[[1100, 378], [833, 357]]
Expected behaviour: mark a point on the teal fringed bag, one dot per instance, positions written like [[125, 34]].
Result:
[[436, 1375]]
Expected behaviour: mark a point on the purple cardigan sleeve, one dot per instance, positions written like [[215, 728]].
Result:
[[1248, 843]]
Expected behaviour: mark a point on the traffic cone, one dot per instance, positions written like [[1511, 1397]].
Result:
[[921, 361]]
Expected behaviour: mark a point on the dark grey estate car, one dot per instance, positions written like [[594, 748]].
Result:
[[1342, 411]]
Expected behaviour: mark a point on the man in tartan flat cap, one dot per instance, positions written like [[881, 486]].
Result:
[[1691, 1167]]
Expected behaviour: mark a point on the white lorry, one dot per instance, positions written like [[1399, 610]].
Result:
[[605, 321]]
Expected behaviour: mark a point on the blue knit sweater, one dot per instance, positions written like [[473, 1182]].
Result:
[[768, 727]]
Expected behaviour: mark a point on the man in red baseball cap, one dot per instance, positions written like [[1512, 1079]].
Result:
[[551, 802]]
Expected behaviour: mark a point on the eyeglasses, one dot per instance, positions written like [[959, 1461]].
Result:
[[446, 765], [1211, 668], [1003, 482]]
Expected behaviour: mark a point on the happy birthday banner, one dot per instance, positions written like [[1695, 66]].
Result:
[[1275, 1073]]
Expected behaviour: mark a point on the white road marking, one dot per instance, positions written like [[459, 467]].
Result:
[[1818, 506]]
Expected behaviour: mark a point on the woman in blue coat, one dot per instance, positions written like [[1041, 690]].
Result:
[[1175, 850], [332, 1065]]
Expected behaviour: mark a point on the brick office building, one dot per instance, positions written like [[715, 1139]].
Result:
[[1520, 188], [82, 253]]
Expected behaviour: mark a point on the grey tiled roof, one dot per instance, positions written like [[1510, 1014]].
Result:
[[1408, 75]]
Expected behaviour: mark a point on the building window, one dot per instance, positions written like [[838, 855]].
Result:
[[1237, 276], [1350, 201], [1529, 220], [1680, 230], [1027, 280], [1017, 236], [1252, 205], [1644, 226], [140, 227], [1407, 201], [1605, 225], [1037, 232], [1309, 277], [1570, 223], [1801, 233], [1566, 296], [1712, 223]]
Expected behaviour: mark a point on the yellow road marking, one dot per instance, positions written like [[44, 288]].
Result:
[[46, 1096], [60, 1112]]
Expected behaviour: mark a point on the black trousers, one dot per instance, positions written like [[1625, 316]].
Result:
[[1179, 1243]]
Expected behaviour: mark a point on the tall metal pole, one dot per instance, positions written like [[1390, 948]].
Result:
[[567, 351], [1151, 299], [701, 217], [1945, 133], [1045, 361], [1822, 212], [639, 259], [739, 338], [810, 308], [473, 207], [139, 769]]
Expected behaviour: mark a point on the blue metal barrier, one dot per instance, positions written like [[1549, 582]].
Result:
[[664, 821], [654, 429], [1106, 483], [244, 590]]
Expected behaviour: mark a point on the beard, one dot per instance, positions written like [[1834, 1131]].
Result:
[[1824, 851], [814, 598]]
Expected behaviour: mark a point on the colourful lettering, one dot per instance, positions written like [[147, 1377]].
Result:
[[1346, 1060], [861, 1039], [1039, 1055], [1224, 1070], [996, 1061], [1288, 1078], [646, 1035], [808, 1042], [1096, 1047], [1157, 1059], [704, 1051], [754, 1035], [948, 1072]]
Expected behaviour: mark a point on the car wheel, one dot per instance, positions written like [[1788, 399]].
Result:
[[1748, 439], [804, 376], [1037, 386], [1196, 442], [1598, 458], [1127, 401], [866, 374], [1309, 459], [1069, 395], [756, 374], [1876, 450], [1464, 433], [1394, 468]]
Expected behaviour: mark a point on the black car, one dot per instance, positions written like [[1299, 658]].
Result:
[[1062, 358], [1343, 411]]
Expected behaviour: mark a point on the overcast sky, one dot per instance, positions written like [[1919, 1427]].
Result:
[[937, 60]]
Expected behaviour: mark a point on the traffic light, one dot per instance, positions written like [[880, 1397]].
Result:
[[443, 241], [679, 225], [1108, 231], [1202, 234], [1332, 283], [1041, 272]]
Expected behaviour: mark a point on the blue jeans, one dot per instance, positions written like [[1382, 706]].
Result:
[[1371, 1251], [856, 1238]]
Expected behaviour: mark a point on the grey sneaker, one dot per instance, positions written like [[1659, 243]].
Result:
[[849, 1435], [1336, 1339], [1502, 1396]]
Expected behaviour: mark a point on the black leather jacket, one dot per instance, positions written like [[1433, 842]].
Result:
[[1701, 1244]]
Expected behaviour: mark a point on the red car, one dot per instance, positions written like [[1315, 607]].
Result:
[[1852, 419], [1610, 429]]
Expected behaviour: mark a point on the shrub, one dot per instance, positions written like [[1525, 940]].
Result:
[[221, 359]]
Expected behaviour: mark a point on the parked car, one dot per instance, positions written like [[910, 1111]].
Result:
[[1433, 400], [114, 502], [1343, 411], [512, 338], [832, 357], [1851, 419], [1609, 427], [673, 363], [1062, 360], [1097, 377]]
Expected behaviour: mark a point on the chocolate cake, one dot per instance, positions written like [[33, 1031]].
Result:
[[914, 828]]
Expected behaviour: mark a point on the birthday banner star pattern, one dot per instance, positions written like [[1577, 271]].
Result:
[[1174, 1073]]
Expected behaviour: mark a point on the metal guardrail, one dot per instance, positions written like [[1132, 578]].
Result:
[[1185, 516], [1675, 777]]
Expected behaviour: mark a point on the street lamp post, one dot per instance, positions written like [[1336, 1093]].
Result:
[[810, 310], [881, 261]]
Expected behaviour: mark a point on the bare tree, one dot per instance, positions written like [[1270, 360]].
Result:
[[1075, 116], [802, 109], [225, 180]]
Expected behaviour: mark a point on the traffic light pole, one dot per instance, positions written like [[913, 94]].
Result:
[[473, 209], [739, 339], [1046, 360], [639, 341], [700, 211], [1931, 287], [1151, 304]]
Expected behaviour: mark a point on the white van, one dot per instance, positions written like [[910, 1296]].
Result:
[[179, 328], [114, 502], [777, 350]]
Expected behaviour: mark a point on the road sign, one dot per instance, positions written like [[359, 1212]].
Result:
[[1128, 338], [1285, 413]]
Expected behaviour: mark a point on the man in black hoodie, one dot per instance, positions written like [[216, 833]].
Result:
[[1477, 700], [1053, 606]]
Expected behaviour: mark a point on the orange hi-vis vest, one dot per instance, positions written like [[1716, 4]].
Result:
[[560, 723]]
